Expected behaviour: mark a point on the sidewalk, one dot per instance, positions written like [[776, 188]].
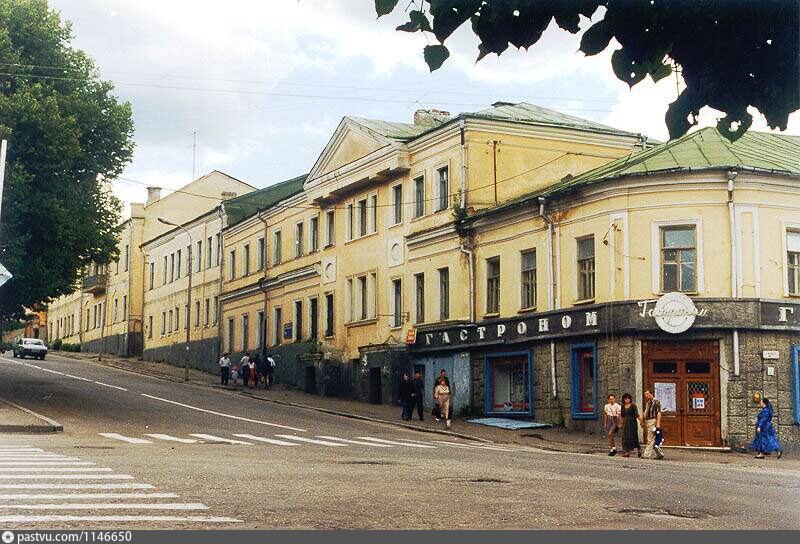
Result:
[[553, 439], [17, 419]]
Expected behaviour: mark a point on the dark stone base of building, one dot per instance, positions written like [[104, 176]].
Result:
[[203, 354], [121, 345]]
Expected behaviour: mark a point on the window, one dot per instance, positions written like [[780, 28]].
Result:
[[260, 331], [678, 259], [245, 332], [150, 326], [793, 261], [397, 204], [493, 285], [152, 275], [299, 247], [443, 186], [178, 261], [276, 247], [313, 319], [207, 319], [528, 294], [127, 257], [419, 298], [208, 253], [278, 326], [177, 319], [298, 320], [584, 381], [218, 244], [373, 213], [508, 384], [329, 313], [350, 311], [196, 313], [171, 267], [216, 310], [231, 330], [350, 226], [163, 323], [362, 217], [362, 297], [419, 197], [397, 302], [330, 220], [444, 294], [314, 228], [165, 277], [169, 323], [261, 254], [198, 258], [232, 265], [114, 315], [586, 268], [187, 317], [124, 307], [246, 260]]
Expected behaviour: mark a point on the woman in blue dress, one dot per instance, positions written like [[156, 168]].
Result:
[[766, 439]]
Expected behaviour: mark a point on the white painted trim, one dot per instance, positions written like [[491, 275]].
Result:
[[655, 254], [756, 248], [626, 269], [785, 227]]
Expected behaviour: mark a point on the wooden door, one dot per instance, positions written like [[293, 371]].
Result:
[[684, 376]]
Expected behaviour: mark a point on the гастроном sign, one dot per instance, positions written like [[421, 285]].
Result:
[[673, 312]]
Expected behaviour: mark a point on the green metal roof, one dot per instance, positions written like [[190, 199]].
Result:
[[703, 149], [530, 113], [240, 208], [390, 129]]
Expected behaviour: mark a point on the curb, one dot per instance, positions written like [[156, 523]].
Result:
[[52, 425]]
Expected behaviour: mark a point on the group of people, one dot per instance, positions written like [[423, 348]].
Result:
[[412, 392], [251, 370], [626, 418]]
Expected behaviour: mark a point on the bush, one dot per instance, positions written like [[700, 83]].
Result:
[[75, 348], [56, 344], [6, 346]]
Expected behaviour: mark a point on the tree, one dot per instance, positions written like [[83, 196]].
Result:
[[731, 53], [67, 135]]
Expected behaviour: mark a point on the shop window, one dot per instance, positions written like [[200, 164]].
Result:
[[665, 367], [698, 367], [584, 381], [508, 384], [795, 356]]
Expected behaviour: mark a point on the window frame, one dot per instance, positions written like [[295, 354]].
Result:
[[245, 321], [526, 285], [299, 239], [330, 226], [231, 331], [277, 247], [313, 318], [198, 259], [788, 267], [232, 264], [578, 407], [493, 286], [655, 246], [261, 260], [330, 315], [297, 321], [488, 396], [444, 293], [396, 298], [313, 234], [363, 217], [246, 260], [591, 275], [419, 301], [397, 204], [662, 249], [442, 197], [277, 325], [419, 203]]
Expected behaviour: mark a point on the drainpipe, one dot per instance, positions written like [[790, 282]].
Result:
[[734, 261], [463, 167], [550, 291], [471, 264]]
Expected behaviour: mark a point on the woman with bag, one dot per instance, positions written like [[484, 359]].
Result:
[[442, 396]]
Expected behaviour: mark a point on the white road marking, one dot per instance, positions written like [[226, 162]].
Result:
[[48, 370], [392, 442], [360, 443], [117, 519], [103, 486], [80, 496], [472, 446], [25, 464], [267, 440], [16, 448], [128, 439], [56, 469], [72, 376], [219, 439], [66, 477], [108, 506], [172, 438], [230, 416], [42, 458], [111, 386], [310, 440]]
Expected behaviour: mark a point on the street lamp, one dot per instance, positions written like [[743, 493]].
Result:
[[188, 296]]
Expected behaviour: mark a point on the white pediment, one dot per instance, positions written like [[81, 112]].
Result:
[[349, 143]]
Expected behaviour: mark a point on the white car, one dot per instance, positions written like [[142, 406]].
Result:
[[32, 347]]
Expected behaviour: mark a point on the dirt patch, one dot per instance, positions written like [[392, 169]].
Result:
[[664, 513]]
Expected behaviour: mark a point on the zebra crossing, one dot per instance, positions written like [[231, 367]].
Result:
[[37, 486], [327, 441]]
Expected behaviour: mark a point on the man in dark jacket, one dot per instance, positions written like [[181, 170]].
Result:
[[417, 400], [406, 394]]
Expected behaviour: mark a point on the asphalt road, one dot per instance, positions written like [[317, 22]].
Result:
[[139, 452]]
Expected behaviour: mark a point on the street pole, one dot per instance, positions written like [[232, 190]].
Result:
[[188, 317]]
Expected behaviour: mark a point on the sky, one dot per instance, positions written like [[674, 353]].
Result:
[[260, 86]]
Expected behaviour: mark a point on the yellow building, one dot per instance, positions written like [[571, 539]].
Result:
[[107, 313]]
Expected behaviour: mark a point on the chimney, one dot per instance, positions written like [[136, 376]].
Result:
[[153, 195], [137, 210], [430, 118]]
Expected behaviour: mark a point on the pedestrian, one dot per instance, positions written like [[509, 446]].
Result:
[[630, 426], [442, 395], [405, 394], [766, 439], [269, 366], [417, 394], [224, 369], [652, 424], [253, 375], [259, 368], [443, 376], [244, 369], [612, 411]]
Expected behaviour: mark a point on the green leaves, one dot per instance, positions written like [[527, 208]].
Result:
[[418, 21], [385, 7], [596, 38], [435, 55]]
